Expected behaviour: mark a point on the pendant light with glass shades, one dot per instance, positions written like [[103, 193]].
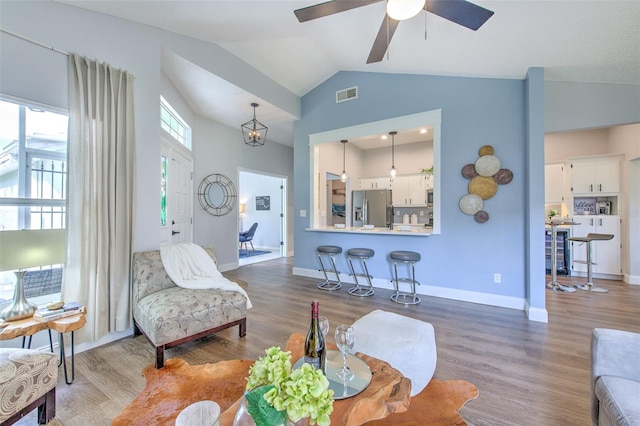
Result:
[[343, 176], [393, 171]]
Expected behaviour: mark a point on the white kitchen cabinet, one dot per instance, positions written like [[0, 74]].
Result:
[[410, 190], [383, 182], [429, 181], [605, 255], [595, 175], [554, 183]]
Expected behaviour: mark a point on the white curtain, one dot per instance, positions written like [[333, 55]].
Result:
[[100, 196]]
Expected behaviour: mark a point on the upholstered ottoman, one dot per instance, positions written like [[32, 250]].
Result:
[[408, 344], [28, 380]]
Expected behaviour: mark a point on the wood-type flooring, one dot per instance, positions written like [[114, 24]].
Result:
[[528, 373]]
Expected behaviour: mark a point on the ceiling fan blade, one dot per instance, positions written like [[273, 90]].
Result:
[[329, 8], [459, 11], [383, 39]]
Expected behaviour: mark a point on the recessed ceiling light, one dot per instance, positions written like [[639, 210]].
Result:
[[423, 131], [383, 137]]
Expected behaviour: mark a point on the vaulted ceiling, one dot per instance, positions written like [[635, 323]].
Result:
[[584, 41]]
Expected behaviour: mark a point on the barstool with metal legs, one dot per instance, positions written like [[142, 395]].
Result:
[[410, 258], [361, 254], [330, 251], [587, 240]]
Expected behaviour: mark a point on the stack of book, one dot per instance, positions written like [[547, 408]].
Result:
[[68, 309]]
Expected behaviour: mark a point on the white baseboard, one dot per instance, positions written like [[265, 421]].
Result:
[[631, 279], [228, 266], [443, 292], [536, 314]]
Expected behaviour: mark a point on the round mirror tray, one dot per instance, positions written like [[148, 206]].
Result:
[[342, 390]]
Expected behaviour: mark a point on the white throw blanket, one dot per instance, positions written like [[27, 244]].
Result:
[[189, 266]]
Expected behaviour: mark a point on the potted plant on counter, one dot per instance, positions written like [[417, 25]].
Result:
[[555, 218]]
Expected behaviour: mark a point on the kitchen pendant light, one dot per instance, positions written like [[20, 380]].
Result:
[[343, 176], [393, 170], [253, 131], [404, 9]]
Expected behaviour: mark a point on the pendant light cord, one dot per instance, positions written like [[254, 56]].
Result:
[[343, 176], [393, 147]]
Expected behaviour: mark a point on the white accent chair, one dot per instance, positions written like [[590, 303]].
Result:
[[407, 344]]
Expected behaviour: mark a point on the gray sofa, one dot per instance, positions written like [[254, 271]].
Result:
[[170, 315], [615, 377]]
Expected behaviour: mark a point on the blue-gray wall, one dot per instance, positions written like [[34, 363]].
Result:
[[573, 106], [475, 112]]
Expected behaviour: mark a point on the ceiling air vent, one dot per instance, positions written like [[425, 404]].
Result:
[[347, 94]]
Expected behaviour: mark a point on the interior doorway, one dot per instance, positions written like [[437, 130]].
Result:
[[336, 200], [262, 201]]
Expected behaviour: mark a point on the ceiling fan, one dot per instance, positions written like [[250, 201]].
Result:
[[460, 12]]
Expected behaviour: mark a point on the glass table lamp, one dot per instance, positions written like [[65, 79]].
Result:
[[28, 249]]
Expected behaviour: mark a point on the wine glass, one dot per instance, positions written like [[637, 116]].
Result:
[[324, 325], [345, 339]]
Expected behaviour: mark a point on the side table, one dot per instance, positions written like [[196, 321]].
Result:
[[29, 327]]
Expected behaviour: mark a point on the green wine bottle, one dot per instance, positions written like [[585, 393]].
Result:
[[314, 348]]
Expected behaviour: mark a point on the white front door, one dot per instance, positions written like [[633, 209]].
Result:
[[179, 199]]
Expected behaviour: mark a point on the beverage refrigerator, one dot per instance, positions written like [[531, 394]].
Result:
[[562, 251]]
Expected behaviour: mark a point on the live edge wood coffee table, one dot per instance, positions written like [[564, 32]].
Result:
[[29, 327], [389, 392]]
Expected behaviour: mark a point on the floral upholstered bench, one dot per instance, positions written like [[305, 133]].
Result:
[[170, 315]]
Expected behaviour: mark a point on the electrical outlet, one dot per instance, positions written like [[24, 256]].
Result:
[[497, 278], [421, 212]]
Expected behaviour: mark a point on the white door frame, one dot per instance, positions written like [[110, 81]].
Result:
[[283, 206], [174, 151]]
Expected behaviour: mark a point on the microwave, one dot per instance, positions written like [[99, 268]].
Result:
[[429, 197]]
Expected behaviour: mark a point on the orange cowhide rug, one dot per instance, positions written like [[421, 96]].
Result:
[[177, 385]]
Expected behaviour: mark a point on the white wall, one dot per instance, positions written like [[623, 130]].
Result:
[[409, 159], [268, 232], [626, 140], [175, 99], [136, 48], [30, 71], [220, 149], [623, 140], [563, 145], [36, 73]]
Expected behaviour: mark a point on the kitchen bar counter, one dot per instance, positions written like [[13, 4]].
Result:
[[414, 231]]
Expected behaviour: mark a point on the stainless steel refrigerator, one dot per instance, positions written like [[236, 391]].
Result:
[[371, 207]]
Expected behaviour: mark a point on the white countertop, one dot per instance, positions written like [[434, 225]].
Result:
[[416, 231]]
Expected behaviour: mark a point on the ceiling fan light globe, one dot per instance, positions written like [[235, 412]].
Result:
[[401, 10]]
